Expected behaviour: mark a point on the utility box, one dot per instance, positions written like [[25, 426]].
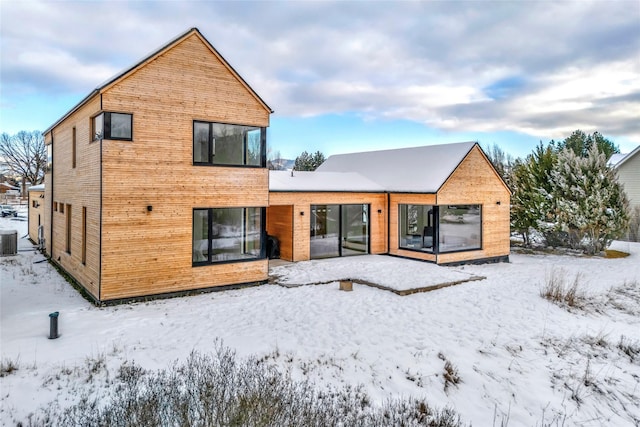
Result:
[[8, 242]]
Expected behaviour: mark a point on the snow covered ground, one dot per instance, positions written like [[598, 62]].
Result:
[[521, 360]]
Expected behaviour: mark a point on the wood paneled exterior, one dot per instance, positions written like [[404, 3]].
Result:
[[299, 230], [475, 181], [76, 187], [139, 195], [36, 213], [280, 224]]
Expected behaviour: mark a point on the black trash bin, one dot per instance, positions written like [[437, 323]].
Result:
[[53, 325], [273, 247]]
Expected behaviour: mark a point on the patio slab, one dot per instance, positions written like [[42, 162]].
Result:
[[398, 275]]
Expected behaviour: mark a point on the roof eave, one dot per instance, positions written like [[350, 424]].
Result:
[[627, 157]]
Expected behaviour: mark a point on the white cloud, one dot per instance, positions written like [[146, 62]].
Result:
[[563, 65]]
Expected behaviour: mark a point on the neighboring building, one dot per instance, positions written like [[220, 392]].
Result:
[[439, 203], [628, 168], [35, 217], [8, 188], [157, 181]]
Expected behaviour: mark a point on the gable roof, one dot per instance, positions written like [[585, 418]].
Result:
[[627, 157], [321, 181], [408, 170], [124, 73]]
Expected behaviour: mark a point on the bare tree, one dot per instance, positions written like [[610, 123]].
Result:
[[274, 160], [25, 155]]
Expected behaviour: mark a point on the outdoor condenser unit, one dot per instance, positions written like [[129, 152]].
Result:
[[8, 242]]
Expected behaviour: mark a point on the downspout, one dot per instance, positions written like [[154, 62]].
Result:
[[436, 228], [52, 198], [100, 221], [388, 222]]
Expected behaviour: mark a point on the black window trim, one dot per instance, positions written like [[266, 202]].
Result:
[[436, 230], [263, 146], [263, 236], [106, 126]]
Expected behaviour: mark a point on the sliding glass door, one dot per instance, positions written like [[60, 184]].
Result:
[[339, 230]]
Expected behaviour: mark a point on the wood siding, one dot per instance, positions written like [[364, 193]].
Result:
[[78, 187], [150, 252], [36, 214], [629, 176], [280, 225], [476, 182], [301, 203]]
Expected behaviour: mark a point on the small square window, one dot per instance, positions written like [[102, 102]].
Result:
[[117, 126]]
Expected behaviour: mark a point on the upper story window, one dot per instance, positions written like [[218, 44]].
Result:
[[112, 126], [229, 145]]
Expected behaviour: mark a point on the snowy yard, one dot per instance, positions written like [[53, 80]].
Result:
[[521, 360]]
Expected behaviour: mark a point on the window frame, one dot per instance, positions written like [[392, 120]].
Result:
[[210, 147], [105, 132], [437, 231], [210, 261], [479, 247]]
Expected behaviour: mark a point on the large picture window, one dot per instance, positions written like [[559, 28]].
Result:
[[228, 145], [112, 126], [437, 229], [228, 234], [460, 228]]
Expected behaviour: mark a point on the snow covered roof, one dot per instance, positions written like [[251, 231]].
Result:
[[615, 159], [624, 158], [414, 170], [321, 181], [39, 187]]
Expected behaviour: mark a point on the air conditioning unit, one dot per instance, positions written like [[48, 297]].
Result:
[[8, 242]]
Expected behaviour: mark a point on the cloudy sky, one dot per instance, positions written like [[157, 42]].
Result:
[[359, 75]]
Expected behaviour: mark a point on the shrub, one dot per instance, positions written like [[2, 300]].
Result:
[[222, 390], [559, 291], [8, 366], [450, 374], [630, 348]]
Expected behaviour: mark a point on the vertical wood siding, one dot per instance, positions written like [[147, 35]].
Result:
[[476, 182], [78, 187], [280, 225], [150, 252]]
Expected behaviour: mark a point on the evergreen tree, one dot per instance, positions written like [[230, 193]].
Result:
[[581, 143], [308, 162], [592, 208], [532, 206]]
